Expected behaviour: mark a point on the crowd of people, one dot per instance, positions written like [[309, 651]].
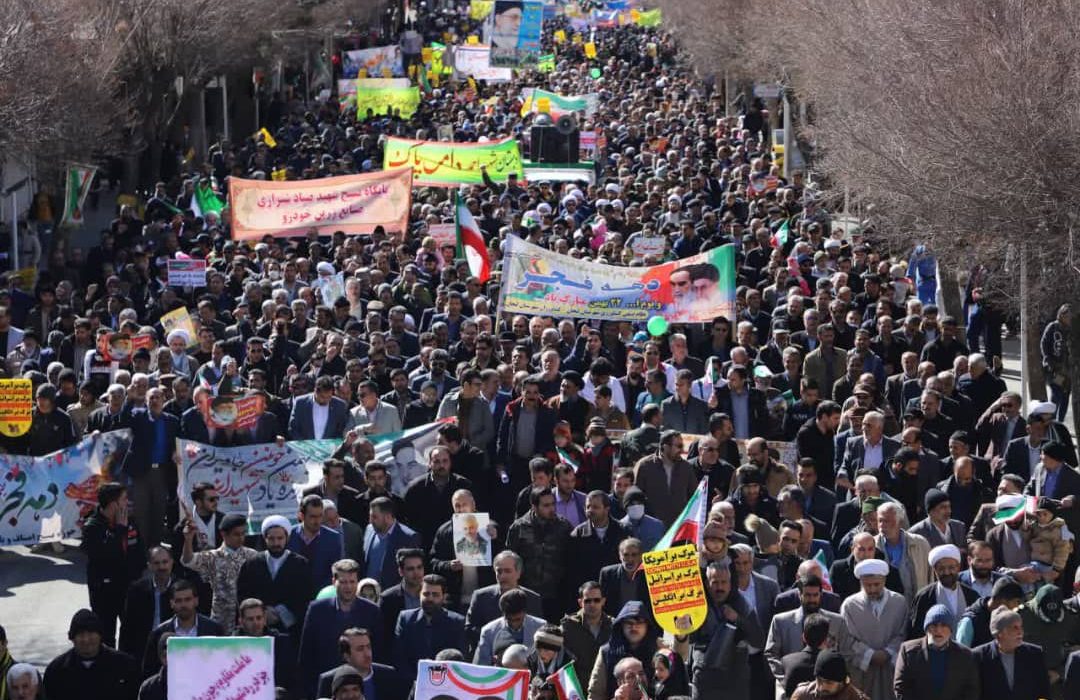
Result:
[[916, 543]]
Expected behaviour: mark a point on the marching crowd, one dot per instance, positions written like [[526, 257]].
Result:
[[918, 542]]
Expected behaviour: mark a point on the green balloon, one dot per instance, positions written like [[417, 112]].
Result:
[[595, 72], [326, 592], [657, 326]]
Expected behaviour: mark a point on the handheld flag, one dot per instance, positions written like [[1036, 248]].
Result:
[[267, 138], [826, 582], [780, 238], [566, 683], [205, 201], [1012, 507], [690, 525], [79, 178], [470, 242], [565, 458]]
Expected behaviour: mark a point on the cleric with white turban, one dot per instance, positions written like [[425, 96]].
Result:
[[871, 567]]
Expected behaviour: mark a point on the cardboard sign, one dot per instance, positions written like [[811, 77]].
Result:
[[238, 412], [16, 406], [674, 580], [119, 347], [188, 272], [471, 544]]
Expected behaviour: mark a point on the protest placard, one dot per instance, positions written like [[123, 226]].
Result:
[[216, 668], [373, 61], [457, 680], [400, 101], [678, 599], [44, 499], [180, 319], [349, 203], [472, 547], [187, 272], [475, 61], [16, 406], [119, 347]]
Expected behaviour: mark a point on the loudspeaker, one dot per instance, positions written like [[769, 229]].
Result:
[[566, 125], [550, 144]]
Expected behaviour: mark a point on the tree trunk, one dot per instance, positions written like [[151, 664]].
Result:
[[949, 289], [198, 124]]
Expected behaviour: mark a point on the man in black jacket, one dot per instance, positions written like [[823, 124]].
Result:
[[445, 563], [842, 573], [405, 594], [186, 621], [90, 670], [355, 647], [114, 557], [147, 602], [50, 428], [427, 498], [278, 577]]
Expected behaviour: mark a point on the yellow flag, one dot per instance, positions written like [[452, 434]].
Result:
[[560, 36], [590, 50], [472, 39], [426, 54], [576, 39], [267, 138]]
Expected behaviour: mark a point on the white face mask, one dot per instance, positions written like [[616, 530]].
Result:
[[636, 512]]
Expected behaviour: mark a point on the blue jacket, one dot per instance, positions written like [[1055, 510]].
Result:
[[649, 530], [323, 625], [327, 548], [140, 456], [401, 537], [415, 638], [302, 426]]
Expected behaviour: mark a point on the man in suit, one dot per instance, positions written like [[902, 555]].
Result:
[[147, 602], [744, 403], [484, 604], [786, 629], [320, 414], [820, 501], [327, 618], [384, 536], [515, 626], [372, 415], [1010, 668], [683, 412], [278, 577], [150, 466], [759, 593], [722, 649], [380, 680], [427, 497], [894, 385], [934, 666], [404, 595], [1022, 453], [423, 632], [318, 544], [333, 487], [515, 446], [445, 562], [938, 527], [848, 514], [186, 621], [947, 590], [666, 478], [1000, 424], [252, 622], [871, 450]]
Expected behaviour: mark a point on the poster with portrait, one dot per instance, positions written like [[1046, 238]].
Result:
[[512, 31], [472, 546]]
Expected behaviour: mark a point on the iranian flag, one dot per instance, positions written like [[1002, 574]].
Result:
[[565, 458], [780, 238], [204, 201], [470, 242], [1012, 507], [455, 680], [690, 525], [78, 179], [826, 582], [566, 683]]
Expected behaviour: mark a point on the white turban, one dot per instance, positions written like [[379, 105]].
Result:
[[945, 551], [324, 268], [177, 333], [1042, 408], [871, 567], [275, 521]]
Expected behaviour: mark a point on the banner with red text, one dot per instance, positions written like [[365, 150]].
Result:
[[350, 203]]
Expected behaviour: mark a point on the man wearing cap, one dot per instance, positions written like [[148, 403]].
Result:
[[973, 628], [876, 621], [947, 590], [938, 527], [50, 428], [279, 577], [830, 681], [1009, 667], [1053, 479], [934, 666], [347, 684], [221, 567], [90, 669]]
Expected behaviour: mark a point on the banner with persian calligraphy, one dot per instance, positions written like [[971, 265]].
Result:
[[45, 499], [512, 30], [675, 591], [253, 480], [379, 61], [440, 164], [475, 61], [536, 100], [204, 668], [350, 203], [691, 290]]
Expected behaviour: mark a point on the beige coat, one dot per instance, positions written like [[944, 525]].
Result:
[[918, 552]]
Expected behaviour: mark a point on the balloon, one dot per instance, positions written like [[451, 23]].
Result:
[[326, 592], [595, 72], [657, 326]]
